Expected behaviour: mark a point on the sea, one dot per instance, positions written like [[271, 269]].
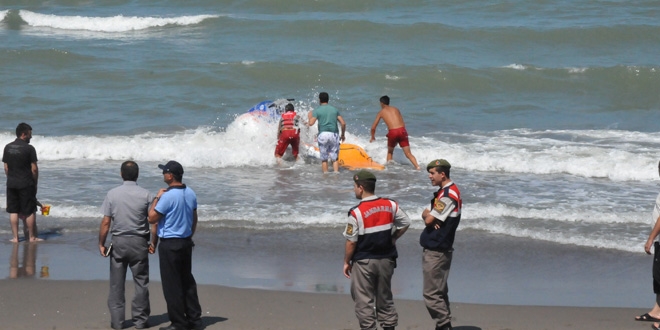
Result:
[[548, 112]]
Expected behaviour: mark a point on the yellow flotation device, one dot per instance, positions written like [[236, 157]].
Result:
[[353, 157]]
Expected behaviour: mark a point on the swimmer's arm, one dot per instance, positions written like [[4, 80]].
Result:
[[310, 119], [343, 128], [374, 126], [279, 128]]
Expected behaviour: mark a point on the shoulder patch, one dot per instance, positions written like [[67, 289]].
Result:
[[439, 206], [349, 229]]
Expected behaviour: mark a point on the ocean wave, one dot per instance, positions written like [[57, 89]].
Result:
[[112, 24], [556, 214], [610, 154]]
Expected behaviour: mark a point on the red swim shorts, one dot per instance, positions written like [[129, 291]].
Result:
[[288, 136], [397, 135]]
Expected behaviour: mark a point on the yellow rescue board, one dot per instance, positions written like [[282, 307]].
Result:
[[353, 157]]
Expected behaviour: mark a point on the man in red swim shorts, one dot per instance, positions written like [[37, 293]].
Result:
[[289, 133], [397, 130]]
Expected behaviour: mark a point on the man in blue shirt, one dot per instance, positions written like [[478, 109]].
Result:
[[175, 211]]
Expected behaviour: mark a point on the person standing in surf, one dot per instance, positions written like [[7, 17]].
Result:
[[654, 314], [437, 239], [397, 133], [328, 138], [288, 133], [22, 173]]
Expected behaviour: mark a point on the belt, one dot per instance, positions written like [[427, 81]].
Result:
[[173, 238]]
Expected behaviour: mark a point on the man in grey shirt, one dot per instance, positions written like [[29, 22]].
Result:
[[125, 211]]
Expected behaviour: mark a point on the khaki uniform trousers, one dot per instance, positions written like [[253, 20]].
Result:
[[371, 288], [435, 267]]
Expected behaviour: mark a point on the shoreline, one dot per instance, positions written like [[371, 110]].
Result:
[[29, 304], [486, 269]]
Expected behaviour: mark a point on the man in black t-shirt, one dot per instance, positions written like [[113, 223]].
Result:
[[22, 173]]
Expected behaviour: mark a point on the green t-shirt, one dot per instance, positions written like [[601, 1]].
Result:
[[327, 118]]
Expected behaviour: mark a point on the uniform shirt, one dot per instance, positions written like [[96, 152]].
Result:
[[176, 206], [128, 206], [19, 156], [446, 206], [374, 236], [656, 210], [327, 118]]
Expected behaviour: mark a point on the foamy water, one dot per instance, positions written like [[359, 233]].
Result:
[[117, 23], [550, 125]]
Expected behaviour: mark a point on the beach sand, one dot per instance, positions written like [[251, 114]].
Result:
[[34, 304], [291, 279]]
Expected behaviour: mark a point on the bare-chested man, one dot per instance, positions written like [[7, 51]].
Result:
[[397, 130]]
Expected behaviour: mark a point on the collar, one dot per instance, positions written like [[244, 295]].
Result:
[[448, 184], [130, 183], [370, 198], [183, 186]]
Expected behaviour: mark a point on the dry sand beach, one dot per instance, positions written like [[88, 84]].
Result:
[[292, 280], [35, 304]]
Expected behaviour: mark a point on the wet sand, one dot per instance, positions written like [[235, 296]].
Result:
[[292, 280]]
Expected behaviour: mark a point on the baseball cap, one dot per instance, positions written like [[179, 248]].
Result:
[[172, 167], [438, 162], [364, 175]]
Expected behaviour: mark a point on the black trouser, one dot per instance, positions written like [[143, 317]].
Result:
[[179, 286]]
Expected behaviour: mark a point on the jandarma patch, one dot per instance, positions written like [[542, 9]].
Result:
[[439, 205], [349, 229]]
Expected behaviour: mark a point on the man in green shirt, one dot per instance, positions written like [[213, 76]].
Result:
[[328, 137]]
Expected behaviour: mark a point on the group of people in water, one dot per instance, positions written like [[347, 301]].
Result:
[[330, 122]]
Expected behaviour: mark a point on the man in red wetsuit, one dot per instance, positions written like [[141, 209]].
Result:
[[397, 130], [289, 133]]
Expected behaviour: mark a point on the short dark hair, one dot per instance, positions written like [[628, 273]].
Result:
[[129, 170], [442, 169], [324, 97], [22, 128], [288, 107], [385, 100], [368, 185]]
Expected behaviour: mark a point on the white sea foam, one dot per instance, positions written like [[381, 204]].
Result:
[[577, 70], [558, 214], [117, 23], [3, 14], [631, 156], [516, 66]]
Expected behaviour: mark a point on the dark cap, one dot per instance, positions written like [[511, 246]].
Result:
[[172, 167], [288, 107], [438, 162], [364, 175]]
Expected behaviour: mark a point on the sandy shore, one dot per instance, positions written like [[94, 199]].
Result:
[[35, 304], [292, 280]]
